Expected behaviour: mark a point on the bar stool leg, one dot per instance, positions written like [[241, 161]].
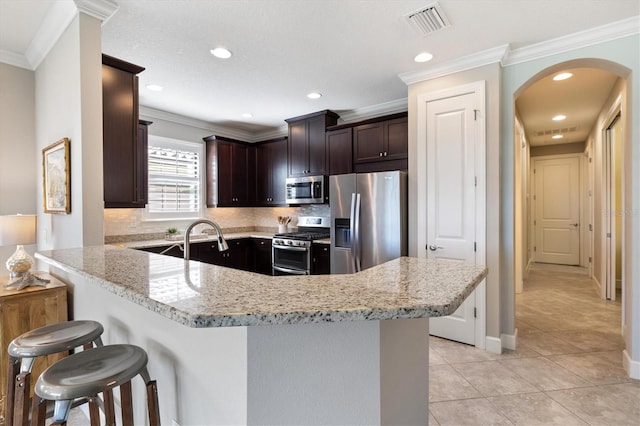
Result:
[[109, 410], [94, 411], [126, 402], [38, 411], [152, 403], [12, 373], [21, 405]]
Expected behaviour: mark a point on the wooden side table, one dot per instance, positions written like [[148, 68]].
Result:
[[24, 310]]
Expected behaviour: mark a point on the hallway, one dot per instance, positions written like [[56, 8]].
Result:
[[567, 369]]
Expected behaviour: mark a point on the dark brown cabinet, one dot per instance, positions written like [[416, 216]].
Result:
[[271, 172], [261, 255], [387, 140], [237, 257], [339, 151], [230, 172], [320, 259], [306, 145], [124, 153]]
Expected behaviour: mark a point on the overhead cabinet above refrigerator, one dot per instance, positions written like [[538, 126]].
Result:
[[368, 220]]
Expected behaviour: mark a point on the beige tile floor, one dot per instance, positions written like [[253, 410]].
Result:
[[567, 369]]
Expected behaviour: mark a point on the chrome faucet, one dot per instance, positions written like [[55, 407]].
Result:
[[222, 243]]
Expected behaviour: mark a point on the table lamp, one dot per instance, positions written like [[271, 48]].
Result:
[[18, 230]]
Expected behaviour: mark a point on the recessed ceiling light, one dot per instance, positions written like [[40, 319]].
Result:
[[154, 87], [559, 117], [221, 52], [247, 115], [423, 57], [562, 76], [314, 95], [557, 137]]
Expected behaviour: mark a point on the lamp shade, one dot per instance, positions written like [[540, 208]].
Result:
[[17, 230]]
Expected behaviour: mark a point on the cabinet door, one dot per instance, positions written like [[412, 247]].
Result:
[[298, 149], [321, 260], [397, 136], [368, 143], [224, 179], [240, 174], [316, 128], [122, 186], [339, 152], [261, 255], [263, 174], [278, 152], [237, 256]]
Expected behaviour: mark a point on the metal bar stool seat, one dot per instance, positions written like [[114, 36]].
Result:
[[87, 373], [47, 340]]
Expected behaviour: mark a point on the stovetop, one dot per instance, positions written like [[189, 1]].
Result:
[[305, 235]]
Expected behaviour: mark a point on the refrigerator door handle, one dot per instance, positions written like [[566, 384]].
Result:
[[352, 231], [356, 237]]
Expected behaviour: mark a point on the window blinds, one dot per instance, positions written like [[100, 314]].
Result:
[[174, 180]]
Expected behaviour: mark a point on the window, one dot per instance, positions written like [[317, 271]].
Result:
[[175, 179]]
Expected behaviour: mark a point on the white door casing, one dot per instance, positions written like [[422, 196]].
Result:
[[451, 125], [557, 210]]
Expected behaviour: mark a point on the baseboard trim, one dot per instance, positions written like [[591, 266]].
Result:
[[631, 367], [509, 340], [493, 345]]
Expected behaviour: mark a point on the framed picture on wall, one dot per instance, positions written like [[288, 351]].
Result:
[[56, 177]]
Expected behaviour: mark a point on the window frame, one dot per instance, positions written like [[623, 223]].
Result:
[[178, 144]]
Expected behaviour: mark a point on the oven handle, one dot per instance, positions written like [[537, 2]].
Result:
[[290, 271], [292, 248]]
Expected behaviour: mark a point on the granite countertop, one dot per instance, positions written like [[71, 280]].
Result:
[[202, 295]]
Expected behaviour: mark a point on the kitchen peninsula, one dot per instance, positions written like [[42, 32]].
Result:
[[234, 347]]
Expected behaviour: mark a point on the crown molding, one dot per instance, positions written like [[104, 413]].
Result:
[[15, 59], [99, 9], [58, 18], [596, 35], [475, 60], [391, 107], [152, 113], [60, 15]]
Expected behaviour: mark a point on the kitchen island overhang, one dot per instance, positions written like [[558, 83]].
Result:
[[325, 351]]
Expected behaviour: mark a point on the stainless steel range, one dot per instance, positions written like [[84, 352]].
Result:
[[291, 252]]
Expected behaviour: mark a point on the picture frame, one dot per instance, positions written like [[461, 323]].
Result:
[[56, 177]]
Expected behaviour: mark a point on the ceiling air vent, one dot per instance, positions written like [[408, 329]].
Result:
[[429, 19]]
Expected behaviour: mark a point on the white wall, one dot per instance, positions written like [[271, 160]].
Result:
[[18, 157], [69, 104], [624, 57]]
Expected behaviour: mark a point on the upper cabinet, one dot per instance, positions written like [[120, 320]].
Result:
[[271, 172], [381, 145], [124, 152], [339, 151], [230, 172], [306, 146]]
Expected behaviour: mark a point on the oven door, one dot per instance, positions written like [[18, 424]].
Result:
[[288, 260]]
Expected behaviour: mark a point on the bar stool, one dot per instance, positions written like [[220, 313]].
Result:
[[88, 373], [24, 350]]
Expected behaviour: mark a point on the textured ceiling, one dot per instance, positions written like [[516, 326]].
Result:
[[351, 51]]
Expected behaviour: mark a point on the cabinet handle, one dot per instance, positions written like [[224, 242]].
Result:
[[380, 154], [385, 153]]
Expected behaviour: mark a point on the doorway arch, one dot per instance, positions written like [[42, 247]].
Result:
[[623, 104]]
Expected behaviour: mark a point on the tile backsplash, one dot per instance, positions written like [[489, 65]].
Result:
[[130, 222]]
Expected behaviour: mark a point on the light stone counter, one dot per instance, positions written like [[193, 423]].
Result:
[[201, 295]]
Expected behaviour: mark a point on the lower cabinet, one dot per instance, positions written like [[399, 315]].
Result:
[[261, 256], [237, 257], [320, 259]]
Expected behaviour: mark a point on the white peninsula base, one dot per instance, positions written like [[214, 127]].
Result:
[[357, 372]]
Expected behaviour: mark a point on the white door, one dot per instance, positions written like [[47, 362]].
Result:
[[451, 200], [557, 210]]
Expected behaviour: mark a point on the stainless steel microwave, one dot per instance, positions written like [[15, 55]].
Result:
[[307, 190]]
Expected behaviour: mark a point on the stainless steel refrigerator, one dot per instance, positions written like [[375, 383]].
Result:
[[368, 219]]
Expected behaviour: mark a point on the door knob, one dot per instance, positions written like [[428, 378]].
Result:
[[575, 224], [434, 248]]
